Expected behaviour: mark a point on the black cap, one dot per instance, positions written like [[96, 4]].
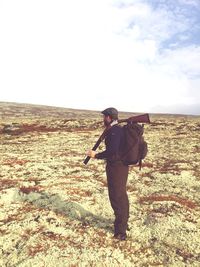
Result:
[[112, 112]]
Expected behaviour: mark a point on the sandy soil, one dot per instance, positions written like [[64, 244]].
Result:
[[54, 210]]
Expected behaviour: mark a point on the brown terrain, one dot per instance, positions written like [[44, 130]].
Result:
[[54, 210]]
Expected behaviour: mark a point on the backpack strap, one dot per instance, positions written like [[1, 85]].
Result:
[[140, 164]]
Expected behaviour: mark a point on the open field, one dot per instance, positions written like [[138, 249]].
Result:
[[54, 210]]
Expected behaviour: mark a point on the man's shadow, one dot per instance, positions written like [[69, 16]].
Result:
[[70, 209]]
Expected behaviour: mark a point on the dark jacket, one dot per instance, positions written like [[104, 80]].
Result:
[[114, 142]]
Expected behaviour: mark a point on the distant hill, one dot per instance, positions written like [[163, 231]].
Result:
[[10, 109]]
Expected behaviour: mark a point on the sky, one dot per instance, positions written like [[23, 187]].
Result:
[[137, 56]]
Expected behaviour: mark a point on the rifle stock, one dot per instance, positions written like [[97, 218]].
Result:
[[144, 118]]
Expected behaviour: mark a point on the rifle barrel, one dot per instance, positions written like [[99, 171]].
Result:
[[144, 118], [101, 138]]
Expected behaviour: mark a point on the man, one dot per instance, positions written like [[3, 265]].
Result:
[[116, 171]]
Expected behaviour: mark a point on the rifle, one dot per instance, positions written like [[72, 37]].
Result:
[[144, 118]]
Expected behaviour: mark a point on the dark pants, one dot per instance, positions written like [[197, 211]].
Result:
[[117, 174]]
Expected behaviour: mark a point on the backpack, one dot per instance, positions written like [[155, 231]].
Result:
[[134, 148]]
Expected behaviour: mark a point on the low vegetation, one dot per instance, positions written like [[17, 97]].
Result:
[[54, 210]]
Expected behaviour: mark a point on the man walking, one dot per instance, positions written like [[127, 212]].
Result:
[[116, 172]]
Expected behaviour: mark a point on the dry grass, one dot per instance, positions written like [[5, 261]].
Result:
[[8, 183], [184, 202], [29, 189], [13, 162], [33, 250], [57, 209]]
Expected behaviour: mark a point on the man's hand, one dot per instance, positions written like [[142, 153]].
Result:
[[91, 153]]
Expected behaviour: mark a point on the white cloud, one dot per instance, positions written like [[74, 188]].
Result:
[[92, 54], [194, 3], [159, 24], [185, 60]]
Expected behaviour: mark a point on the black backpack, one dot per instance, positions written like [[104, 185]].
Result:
[[134, 148]]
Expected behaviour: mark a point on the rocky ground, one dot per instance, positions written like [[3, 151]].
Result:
[[54, 210]]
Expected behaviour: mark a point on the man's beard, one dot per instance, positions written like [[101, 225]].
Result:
[[106, 123]]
